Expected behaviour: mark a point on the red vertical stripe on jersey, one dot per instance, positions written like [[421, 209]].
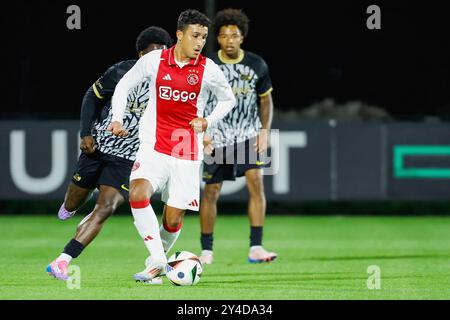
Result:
[[177, 91]]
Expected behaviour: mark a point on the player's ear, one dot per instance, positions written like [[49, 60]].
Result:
[[179, 35]]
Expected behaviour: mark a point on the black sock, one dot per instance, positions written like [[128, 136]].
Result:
[[206, 240], [256, 234], [73, 248]]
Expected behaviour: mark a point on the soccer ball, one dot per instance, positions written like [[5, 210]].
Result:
[[184, 269]]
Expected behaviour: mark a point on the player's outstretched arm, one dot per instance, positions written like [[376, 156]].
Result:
[[132, 78]]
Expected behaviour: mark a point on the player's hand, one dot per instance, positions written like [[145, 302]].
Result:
[[199, 125], [117, 129], [87, 144], [262, 141], [208, 146]]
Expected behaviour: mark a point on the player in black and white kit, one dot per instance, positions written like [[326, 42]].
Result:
[[243, 130], [106, 160]]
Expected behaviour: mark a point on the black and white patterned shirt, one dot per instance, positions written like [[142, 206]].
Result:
[[249, 78], [137, 102]]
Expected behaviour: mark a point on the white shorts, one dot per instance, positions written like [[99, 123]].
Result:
[[178, 180]]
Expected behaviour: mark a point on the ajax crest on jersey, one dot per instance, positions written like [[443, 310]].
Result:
[[192, 79], [184, 269]]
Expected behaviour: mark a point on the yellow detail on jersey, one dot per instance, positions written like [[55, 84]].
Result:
[[266, 93], [77, 177], [231, 61], [125, 188], [96, 92], [260, 163], [241, 91]]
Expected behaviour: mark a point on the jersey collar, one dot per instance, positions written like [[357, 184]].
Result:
[[192, 62], [231, 61]]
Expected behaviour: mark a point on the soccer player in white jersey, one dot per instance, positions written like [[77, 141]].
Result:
[[171, 133]]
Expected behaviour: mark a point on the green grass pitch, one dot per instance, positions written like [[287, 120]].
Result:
[[319, 258]]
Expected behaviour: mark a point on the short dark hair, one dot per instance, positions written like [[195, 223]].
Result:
[[192, 16], [233, 17], [151, 35]]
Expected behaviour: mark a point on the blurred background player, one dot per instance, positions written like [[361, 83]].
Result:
[[242, 129], [171, 133], [106, 161]]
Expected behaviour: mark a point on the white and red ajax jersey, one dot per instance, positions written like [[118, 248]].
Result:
[[178, 94]]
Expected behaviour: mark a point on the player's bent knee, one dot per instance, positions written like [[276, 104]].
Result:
[[173, 227], [212, 193], [137, 195], [173, 224], [140, 190], [255, 186]]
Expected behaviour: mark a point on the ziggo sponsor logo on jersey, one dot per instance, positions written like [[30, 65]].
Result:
[[167, 93]]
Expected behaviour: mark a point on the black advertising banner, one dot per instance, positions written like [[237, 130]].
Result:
[[419, 161], [360, 156], [38, 158], [324, 160]]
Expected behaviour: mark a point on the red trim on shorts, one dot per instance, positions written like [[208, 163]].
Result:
[[140, 204]]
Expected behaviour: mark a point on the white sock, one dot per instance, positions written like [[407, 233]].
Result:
[[168, 238], [148, 227], [64, 257]]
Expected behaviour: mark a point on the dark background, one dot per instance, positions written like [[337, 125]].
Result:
[[315, 50]]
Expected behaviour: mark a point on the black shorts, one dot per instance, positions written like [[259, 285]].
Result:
[[222, 165], [93, 170]]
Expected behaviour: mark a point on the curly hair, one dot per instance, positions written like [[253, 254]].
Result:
[[234, 17], [154, 35], [192, 16]]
